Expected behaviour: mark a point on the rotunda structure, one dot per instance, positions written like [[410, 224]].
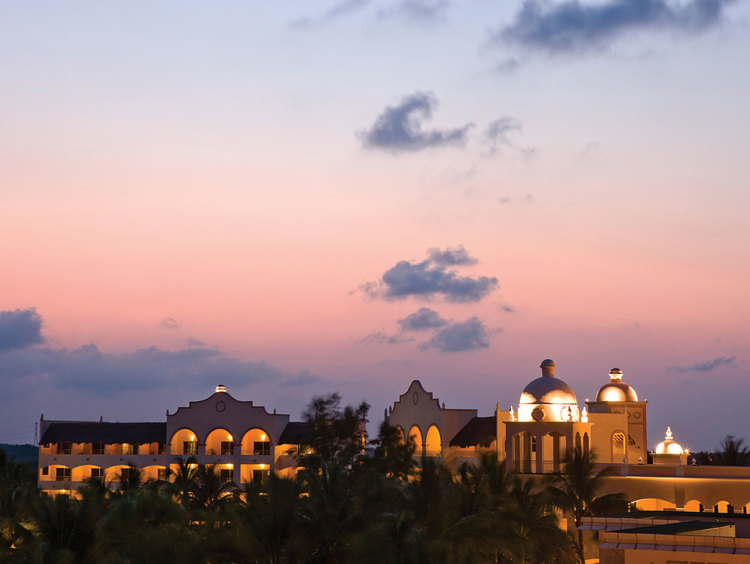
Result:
[[548, 398], [616, 389], [547, 426]]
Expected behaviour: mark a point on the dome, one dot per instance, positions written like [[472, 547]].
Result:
[[668, 445], [548, 398], [616, 389]]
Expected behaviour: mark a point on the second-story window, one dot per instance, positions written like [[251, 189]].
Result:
[[97, 448], [190, 448], [64, 447], [128, 448], [227, 448], [261, 448]]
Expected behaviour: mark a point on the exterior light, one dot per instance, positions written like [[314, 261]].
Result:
[[220, 388], [262, 436], [192, 438], [229, 438], [230, 466], [262, 466]]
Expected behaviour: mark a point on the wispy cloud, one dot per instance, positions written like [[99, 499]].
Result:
[[20, 328], [420, 11], [399, 128], [169, 323], [337, 10], [573, 26], [708, 365], [378, 338]]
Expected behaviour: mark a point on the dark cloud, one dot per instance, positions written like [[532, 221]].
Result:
[[429, 278], [424, 318], [169, 323], [572, 26], [195, 343], [89, 369], [399, 128], [707, 366], [468, 335], [19, 329], [409, 279], [451, 257]]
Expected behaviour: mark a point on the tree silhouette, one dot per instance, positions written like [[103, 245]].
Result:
[[576, 489]]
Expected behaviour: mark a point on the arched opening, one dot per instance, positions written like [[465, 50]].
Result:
[[524, 455], [120, 471], [693, 506], [55, 473], [220, 442], [86, 472], [184, 443], [154, 473], [400, 435], [256, 442], [552, 452], [416, 435], [653, 504], [433, 444], [619, 447], [257, 473], [723, 506]]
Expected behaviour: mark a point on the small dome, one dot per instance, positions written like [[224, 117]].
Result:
[[668, 445], [616, 389], [554, 398]]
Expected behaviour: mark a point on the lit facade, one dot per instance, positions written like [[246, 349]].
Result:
[[242, 441]]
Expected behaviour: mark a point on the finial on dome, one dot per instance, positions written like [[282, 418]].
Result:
[[669, 434], [548, 368], [615, 374]]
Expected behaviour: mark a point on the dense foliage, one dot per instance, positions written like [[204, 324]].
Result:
[[343, 506]]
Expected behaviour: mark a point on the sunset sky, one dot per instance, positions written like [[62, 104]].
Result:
[[295, 198]]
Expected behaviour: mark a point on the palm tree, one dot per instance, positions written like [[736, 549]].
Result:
[[18, 492], [732, 452], [530, 527], [185, 481], [576, 489], [269, 513]]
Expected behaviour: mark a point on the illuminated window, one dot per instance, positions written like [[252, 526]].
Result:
[[227, 448], [162, 474], [128, 448], [190, 447], [261, 448], [618, 446]]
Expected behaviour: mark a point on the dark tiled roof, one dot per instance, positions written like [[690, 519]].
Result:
[[675, 528], [480, 431], [295, 433], [98, 432]]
